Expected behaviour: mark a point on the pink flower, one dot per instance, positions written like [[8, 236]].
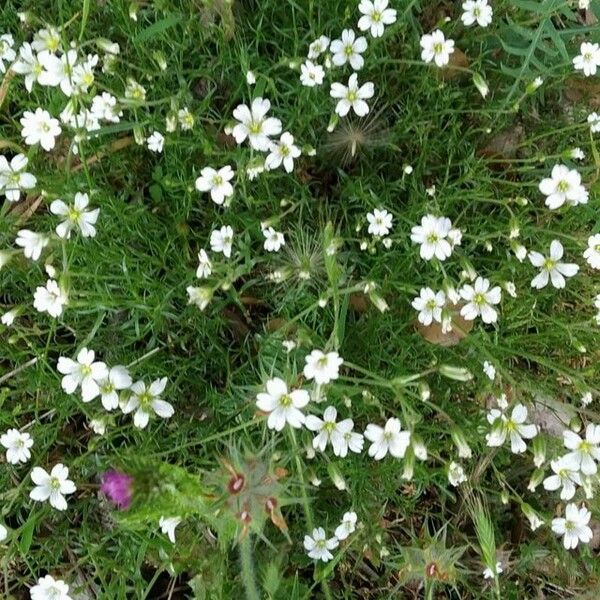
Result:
[[118, 488]]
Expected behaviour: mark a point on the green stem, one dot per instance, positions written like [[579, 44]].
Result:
[[248, 575]]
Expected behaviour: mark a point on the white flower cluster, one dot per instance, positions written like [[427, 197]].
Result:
[[319, 547]]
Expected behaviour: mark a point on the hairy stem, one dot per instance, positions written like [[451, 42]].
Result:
[[248, 575]]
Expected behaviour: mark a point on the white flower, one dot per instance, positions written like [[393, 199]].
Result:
[[514, 428], [104, 107], [592, 253], [564, 185], [330, 431], [144, 401], [204, 265], [48, 588], [349, 49], [98, 426], [58, 70], [456, 474], [282, 406], [436, 48], [29, 65], [39, 128], [566, 470], [489, 370], [221, 240], [76, 217], [431, 234], [574, 526], [587, 399], [318, 546], [282, 152], [250, 78], [8, 318], [84, 372], [480, 300], [352, 96], [594, 121], [200, 296], [13, 178], [186, 119], [376, 15], [155, 142], [53, 486], [430, 305], [134, 91], [477, 11], [387, 439], [50, 299], [31, 242], [489, 574], [380, 222], [6, 51], [3, 533], [46, 39], [347, 526], [168, 525], [255, 125], [588, 60], [216, 182], [322, 367], [117, 378], [317, 47], [584, 453], [17, 446], [551, 269], [274, 240], [82, 76], [577, 154], [311, 74]]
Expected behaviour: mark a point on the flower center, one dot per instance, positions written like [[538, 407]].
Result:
[[348, 50], [549, 264], [74, 214], [376, 16], [255, 127], [217, 180], [86, 370], [285, 401], [562, 186], [352, 96], [479, 299], [45, 127], [145, 398], [329, 426], [438, 47], [55, 483]]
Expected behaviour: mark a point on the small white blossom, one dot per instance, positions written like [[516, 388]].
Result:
[[477, 11], [274, 240], [46, 39], [106, 108], [48, 588], [76, 217], [386, 439], [17, 446], [432, 236], [574, 526], [318, 546], [380, 222], [6, 51], [50, 298], [118, 378], [430, 305], [489, 574], [155, 142], [40, 128], [592, 253], [514, 428], [563, 185], [322, 367], [168, 526], [349, 49], [186, 119], [311, 74], [588, 59], [456, 474], [330, 432], [376, 15], [200, 296], [53, 486], [352, 96], [31, 242], [566, 476], [282, 152], [551, 268], [147, 400], [489, 370], [282, 405], [28, 65], [584, 452], [347, 526], [84, 372], [435, 47], [204, 265], [216, 182], [254, 124], [594, 121], [221, 240], [317, 47]]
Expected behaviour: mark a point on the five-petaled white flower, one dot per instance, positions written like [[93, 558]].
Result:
[[563, 185], [380, 222], [76, 217], [118, 378], [216, 182], [573, 526], [330, 431], [347, 526], [50, 298], [48, 588], [13, 177], [387, 439], [592, 252], [204, 265], [352, 96], [53, 486], [514, 428], [432, 234], [168, 526], [317, 47], [588, 59], [255, 125], [322, 367], [221, 240], [594, 121], [200, 296], [492, 574], [566, 475], [456, 474], [47, 38], [146, 400], [28, 65], [59, 70], [349, 49], [155, 142], [479, 300], [105, 107], [17, 446], [584, 452], [551, 268], [274, 240], [84, 372], [6, 50], [318, 546], [40, 128], [282, 152], [376, 15], [477, 11], [435, 47], [311, 74], [430, 305], [31, 242], [282, 405]]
